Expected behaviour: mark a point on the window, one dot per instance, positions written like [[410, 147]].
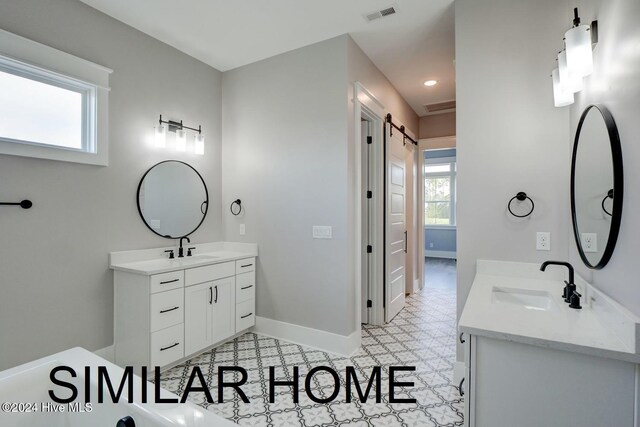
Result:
[[41, 108], [48, 114], [440, 192]]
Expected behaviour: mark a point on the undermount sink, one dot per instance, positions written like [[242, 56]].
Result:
[[525, 298]]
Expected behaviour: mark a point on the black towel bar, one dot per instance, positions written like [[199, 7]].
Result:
[[25, 204]]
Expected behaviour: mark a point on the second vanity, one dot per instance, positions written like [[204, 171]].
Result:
[[167, 310], [531, 360]]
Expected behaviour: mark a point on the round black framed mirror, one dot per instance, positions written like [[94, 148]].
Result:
[[172, 199], [597, 186]]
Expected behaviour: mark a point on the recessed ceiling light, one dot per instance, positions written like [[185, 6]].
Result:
[[431, 83]]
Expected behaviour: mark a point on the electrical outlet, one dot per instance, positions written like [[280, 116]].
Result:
[[243, 230], [430, 244], [589, 242], [322, 232], [543, 241]]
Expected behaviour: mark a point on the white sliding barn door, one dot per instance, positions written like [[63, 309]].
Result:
[[395, 224]]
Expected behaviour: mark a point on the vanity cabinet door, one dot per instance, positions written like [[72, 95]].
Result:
[[223, 323], [198, 303]]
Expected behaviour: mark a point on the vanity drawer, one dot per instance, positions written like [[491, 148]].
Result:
[[245, 315], [167, 281], [208, 273], [245, 286], [167, 345], [167, 309], [245, 265]]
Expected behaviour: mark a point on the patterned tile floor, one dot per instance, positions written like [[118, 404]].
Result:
[[422, 335]]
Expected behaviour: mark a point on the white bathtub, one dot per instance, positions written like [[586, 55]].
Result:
[[29, 384]]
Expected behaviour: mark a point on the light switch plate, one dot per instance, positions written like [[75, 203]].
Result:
[[589, 242], [243, 230], [543, 241], [155, 224], [322, 232]]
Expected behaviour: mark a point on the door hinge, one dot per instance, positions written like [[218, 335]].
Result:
[[369, 303], [369, 249], [369, 140], [369, 194]]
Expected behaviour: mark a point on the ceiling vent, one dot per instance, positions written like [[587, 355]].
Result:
[[440, 106], [387, 11]]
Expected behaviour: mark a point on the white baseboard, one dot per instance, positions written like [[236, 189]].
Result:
[[441, 254], [458, 372], [343, 345], [106, 353]]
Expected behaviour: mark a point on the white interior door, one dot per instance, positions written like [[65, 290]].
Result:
[[395, 224]]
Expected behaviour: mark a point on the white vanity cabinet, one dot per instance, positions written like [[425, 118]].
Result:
[[163, 318], [245, 294], [531, 360], [515, 384], [209, 312]]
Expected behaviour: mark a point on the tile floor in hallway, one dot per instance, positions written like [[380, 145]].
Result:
[[422, 335]]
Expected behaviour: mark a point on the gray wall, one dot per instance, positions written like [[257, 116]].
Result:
[[56, 289], [288, 149], [510, 137], [615, 84], [285, 133], [360, 68], [439, 239]]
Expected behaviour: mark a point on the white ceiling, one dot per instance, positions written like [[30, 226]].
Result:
[[415, 45]]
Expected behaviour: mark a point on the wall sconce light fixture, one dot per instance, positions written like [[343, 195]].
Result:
[[198, 144], [575, 61], [562, 96], [161, 135], [579, 50], [181, 135], [181, 140], [572, 82]]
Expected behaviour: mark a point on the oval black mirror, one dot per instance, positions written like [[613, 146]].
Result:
[[172, 199], [597, 186]]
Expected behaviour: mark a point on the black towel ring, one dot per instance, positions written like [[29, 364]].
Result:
[[521, 196], [608, 196], [236, 202]]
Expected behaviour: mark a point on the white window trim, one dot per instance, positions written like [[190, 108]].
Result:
[[453, 202], [17, 52]]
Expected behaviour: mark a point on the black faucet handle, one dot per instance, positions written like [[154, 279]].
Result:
[[189, 251], [569, 289], [171, 255], [575, 300]]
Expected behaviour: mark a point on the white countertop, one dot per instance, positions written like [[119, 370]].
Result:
[[602, 328], [155, 261]]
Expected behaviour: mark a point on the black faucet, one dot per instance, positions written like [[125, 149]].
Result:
[[181, 249], [570, 287]]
